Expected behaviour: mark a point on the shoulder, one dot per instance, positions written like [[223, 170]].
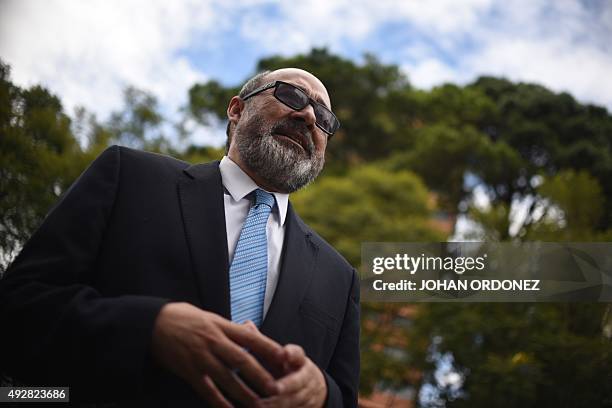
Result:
[[142, 158], [142, 166]]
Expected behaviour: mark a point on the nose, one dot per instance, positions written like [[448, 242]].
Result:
[[306, 114]]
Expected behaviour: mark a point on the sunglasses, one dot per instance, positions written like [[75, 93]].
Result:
[[297, 99]]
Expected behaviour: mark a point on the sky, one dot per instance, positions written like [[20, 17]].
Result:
[[87, 52]]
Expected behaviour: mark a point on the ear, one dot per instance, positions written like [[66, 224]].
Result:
[[234, 109]]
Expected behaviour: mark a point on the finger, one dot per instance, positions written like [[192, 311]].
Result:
[[257, 377], [224, 378], [294, 381], [290, 398], [277, 401], [313, 394], [293, 397], [256, 342], [207, 389], [295, 356], [250, 325], [295, 353]]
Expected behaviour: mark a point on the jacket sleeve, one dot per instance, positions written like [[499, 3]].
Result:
[[56, 328], [342, 373]]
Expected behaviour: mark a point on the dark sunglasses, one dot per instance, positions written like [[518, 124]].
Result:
[[296, 99]]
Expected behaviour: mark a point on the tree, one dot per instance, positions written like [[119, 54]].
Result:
[[443, 156], [520, 353], [39, 159], [550, 132], [365, 99], [556, 354], [138, 124]]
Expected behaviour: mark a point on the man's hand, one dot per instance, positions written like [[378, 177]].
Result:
[[206, 350], [304, 386]]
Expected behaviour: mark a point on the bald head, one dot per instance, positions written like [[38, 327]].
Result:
[[305, 80]]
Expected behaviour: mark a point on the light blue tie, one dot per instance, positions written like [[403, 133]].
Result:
[[249, 268]]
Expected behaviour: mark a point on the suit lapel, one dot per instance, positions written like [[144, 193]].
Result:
[[201, 200], [298, 261]]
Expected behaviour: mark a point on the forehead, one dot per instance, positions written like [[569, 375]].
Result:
[[308, 82]]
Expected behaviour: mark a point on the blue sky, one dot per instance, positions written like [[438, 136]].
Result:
[[88, 51]]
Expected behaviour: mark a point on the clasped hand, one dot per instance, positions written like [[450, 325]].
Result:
[[208, 351]]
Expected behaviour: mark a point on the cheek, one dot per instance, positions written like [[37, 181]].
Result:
[[274, 108], [320, 142]]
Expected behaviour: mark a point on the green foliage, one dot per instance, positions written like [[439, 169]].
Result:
[[572, 203], [137, 124], [368, 204], [443, 155], [201, 154], [524, 354], [503, 133], [494, 222], [578, 195], [370, 100], [209, 98], [550, 132], [457, 106], [39, 160]]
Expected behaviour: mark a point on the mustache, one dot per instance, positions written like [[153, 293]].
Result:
[[295, 129]]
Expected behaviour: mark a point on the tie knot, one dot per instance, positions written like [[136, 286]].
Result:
[[263, 197]]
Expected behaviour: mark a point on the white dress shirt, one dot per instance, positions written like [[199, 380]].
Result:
[[237, 204]]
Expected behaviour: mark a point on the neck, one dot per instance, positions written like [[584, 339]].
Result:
[[235, 156]]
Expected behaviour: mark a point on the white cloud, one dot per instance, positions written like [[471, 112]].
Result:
[[562, 44], [89, 51], [429, 72], [582, 71], [438, 17], [301, 25]]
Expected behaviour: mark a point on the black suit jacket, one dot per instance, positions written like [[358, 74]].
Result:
[[135, 231]]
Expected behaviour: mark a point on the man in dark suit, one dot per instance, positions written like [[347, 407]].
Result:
[[157, 283]]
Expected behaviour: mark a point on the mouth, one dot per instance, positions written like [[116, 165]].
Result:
[[295, 139]]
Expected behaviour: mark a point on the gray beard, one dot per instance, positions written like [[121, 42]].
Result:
[[282, 166]]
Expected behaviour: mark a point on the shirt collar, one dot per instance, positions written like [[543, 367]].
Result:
[[238, 184]]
